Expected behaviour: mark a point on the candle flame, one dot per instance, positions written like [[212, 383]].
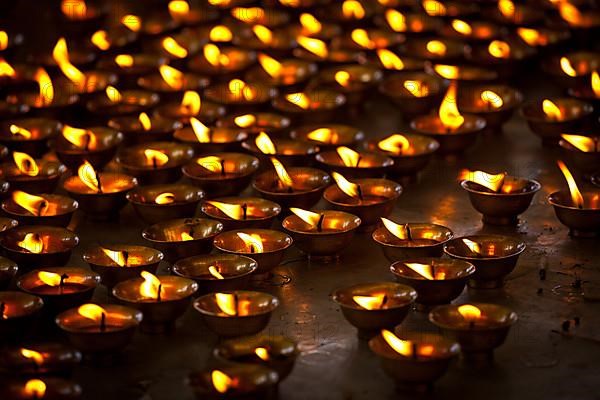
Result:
[[165, 198], [314, 45], [46, 88], [191, 101], [323, 135], [434, 8], [573, 189], [211, 163], [492, 98], [270, 65], [350, 188], [398, 230], [74, 9], [262, 353], [215, 272], [17, 130], [374, 302], [100, 40], [6, 69], [220, 33], [221, 381], [245, 121], [390, 60], [353, 9], [33, 355], [531, 36], [263, 34], [448, 113], [253, 242], [402, 347], [81, 138], [310, 24], [32, 242], [416, 88], [462, 27], [179, 8], [551, 110], [155, 157], [265, 144], [494, 182], [299, 99], [436, 47], [567, 67], [570, 13], [145, 121], [113, 94], [230, 305], [284, 177], [119, 257], [201, 131], [447, 71], [132, 22], [61, 56], [425, 270], [395, 143], [3, 40], [582, 143], [396, 20], [174, 48], [469, 312], [124, 60], [25, 163], [241, 88], [213, 55], [49, 278], [499, 49], [311, 218], [474, 247], [91, 311], [361, 37], [35, 389], [36, 205], [172, 76], [151, 287], [349, 157], [233, 211], [186, 237], [506, 8], [88, 175], [595, 83], [343, 78]]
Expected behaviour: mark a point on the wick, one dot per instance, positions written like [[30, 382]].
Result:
[[471, 324], [192, 231], [433, 269], [235, 302], [159, 290], [408, 233], [358, 160], [290, 189], [595, 143], [384, 301], [98, 180], [414, 351], [103, 322], [320, 223], [88, 139], [61, 285], [252, 250], [125, 256], [245, 210], [222, 167], [154, 163], [43, 205], [360, 194]]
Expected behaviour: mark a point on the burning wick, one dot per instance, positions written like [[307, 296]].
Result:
[[311, 218], [3, 311]]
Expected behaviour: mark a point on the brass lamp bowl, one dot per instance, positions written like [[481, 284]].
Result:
[[62, 207], [583, 222], [586, 162], [183, 201], [8, 270], [427, 241], [451, 142]]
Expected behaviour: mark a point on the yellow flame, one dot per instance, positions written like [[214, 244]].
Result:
[[35, 389], [570, 13], [311, 218], [349, 157], [353, 9], [74, 9], [233, 211], [172, 76], [191, 101], [6, 69], [582, 143], [91, 311], [270, 65], [265, 144], [211, 163], [436, 47], [323, 135], [576, 196], [37, 357], [179, 8], [395, 143], [49, 278], [132, 22], [241, 88], [3, 40], [551, 110], [17, 130], [186, 237], [262, 353], [448, 113], [124, 60], [469, 312], [425, 270], [215, 272], [32, 242], [25, 163], [119, 257], [36, 205], [396, 20], [46, 88], [151, 287], [506, 8], [310, 24], [350, 188], [447, 71], [213, 55], [88, 175], [343, 78], [492, 98], [221, 381], [596, 83], [299, 99], [531, 36], [361, 37], [245, 121], [473, 246], [100, 40], [499, 49], [253, 242], [165, 198], [565, 65], [402, 347], [113, 94], [155, 157], [493, 182], [263, 33], [400, 231], [434, 8], [313, 45], [220, 33], [416, 88], [144, 119], [81, 138], [174, 48], [374, 302], [201, 131], [390, 60], [221, 3], [462, 27], [284, 177]]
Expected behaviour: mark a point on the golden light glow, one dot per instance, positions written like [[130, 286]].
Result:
[[531, 36], [74, 9], [241, 88], [88, 175], [398, 230], [81, 138], [220, 380], [567, 68], [499, 49], [492, 99], [493, 182], [186, 237], [233, 211], [151, 287], [253, 242], [91, 311], [570, 13], [229, 305], [506, 8], [172, 76], [353, 9], [201, 131], [174, 48], [551, 110], [473, 246], [270, 65], [350, 188], [132, 22], [396, 20], [314, 45], [145, 121], [100, 40], [17, 130], [361, 37], [263, 34], [245, 121], [349, 157], [425, 270], [46, 88], [576, 196], [469, 312], [155, 158], [390, 60], [447, 71], [117, 256], [448, 113], [213, 55], [165, 198], [33, 355], [582, 143], [36, 205], [35, 389], [3, 40], [221, 3], [310, 24], [25, 163], [462, 27], [113, 94], [124, 60], [284, 177], [262, 353], [49, 278], [6, 69], [323, 135], [220, 33], [215, 272], [374, 302], [434, 8], [299, 99], [596, 83], [211, 163], [191, 101], [416, 88], [179, 8], [436, 47], [342, 78], [265, 144], [396, 143], [402, 347], [311, 218], [32, 242]]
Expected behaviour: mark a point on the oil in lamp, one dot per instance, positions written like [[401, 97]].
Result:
[[370, 307], [30, 175], [155, 203], [114, 102], [454, 131], [143, 128], [292, 187], [39, 359], [494, 257], [99, 194], [413, 93], [242, 212], [38, 246], [272, 351], [436, 280], [217, 272], [311, 105], [99, 329], [265, 246], [354, 81], [579, 211], [189, 106], [349, 162], [61, 288], [131, 66], [501, 198], [254, 123], [328, 136], [291, 152], [19, 314], [119, 262], [235, 380], [41, 388], [236, 313], [221, 174], [495, 103], [412, 24], [551, 117], [241, 96], [321, 234], [582, 151], [96, 145], [182, 238], [8, 270], [170, 82], [155, 162], [289, 74], [479, 328], [162, 300], [206, 139], [222, 62], [29, 135], [571, 69], [368, 199], [435, 49], [411, 240], [46, 209], [414, 360]]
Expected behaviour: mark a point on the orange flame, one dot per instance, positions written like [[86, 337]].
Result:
[[74, 9], [119, 257], [113, 94], [270, 65], [32, 242], [395, 143], [570, 13], [374, 302], [35, 389], [473, 246], [155, 158], [469, 312], [262, 353], [124, 60], [186, 237], [284, 177], [245, 121], [400, 231], [220, 380], [50, 278], [37, 357], [151, 287], [582, 143], [436, 47], [311, 218], [596, 83], [211, 163], [174, 48], [448, 113], [165, 198], [253, 242], [462, 27], [567, 68], [531, 36], [506, 8], [6, 69], [191, 101], [92, 312], [494, 182], [100, 40], [241, 88], [573, 189], [46, 89], [447, 71], [201, 131], [233, 211], [310, 24], [263, 34], [349, 157], [551, 110], [434, 8], [402, 347], [396, 20], [25, 163], [313, 45], [61, 56], [499, 49], [492, 99], [426, 271], [36, 205], [416, 88], [213, 55], [390, 60], [88, 175], [220, 33], [353, 9], [265, 144], [361, 37], [3, 40], [343, 78], [132, 22], [350, 188], [179, 8], [230, 305], [145, 121], [215, 272], [172, 76], [323, 135], [81, 138], [17, 130], [299, 99]]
